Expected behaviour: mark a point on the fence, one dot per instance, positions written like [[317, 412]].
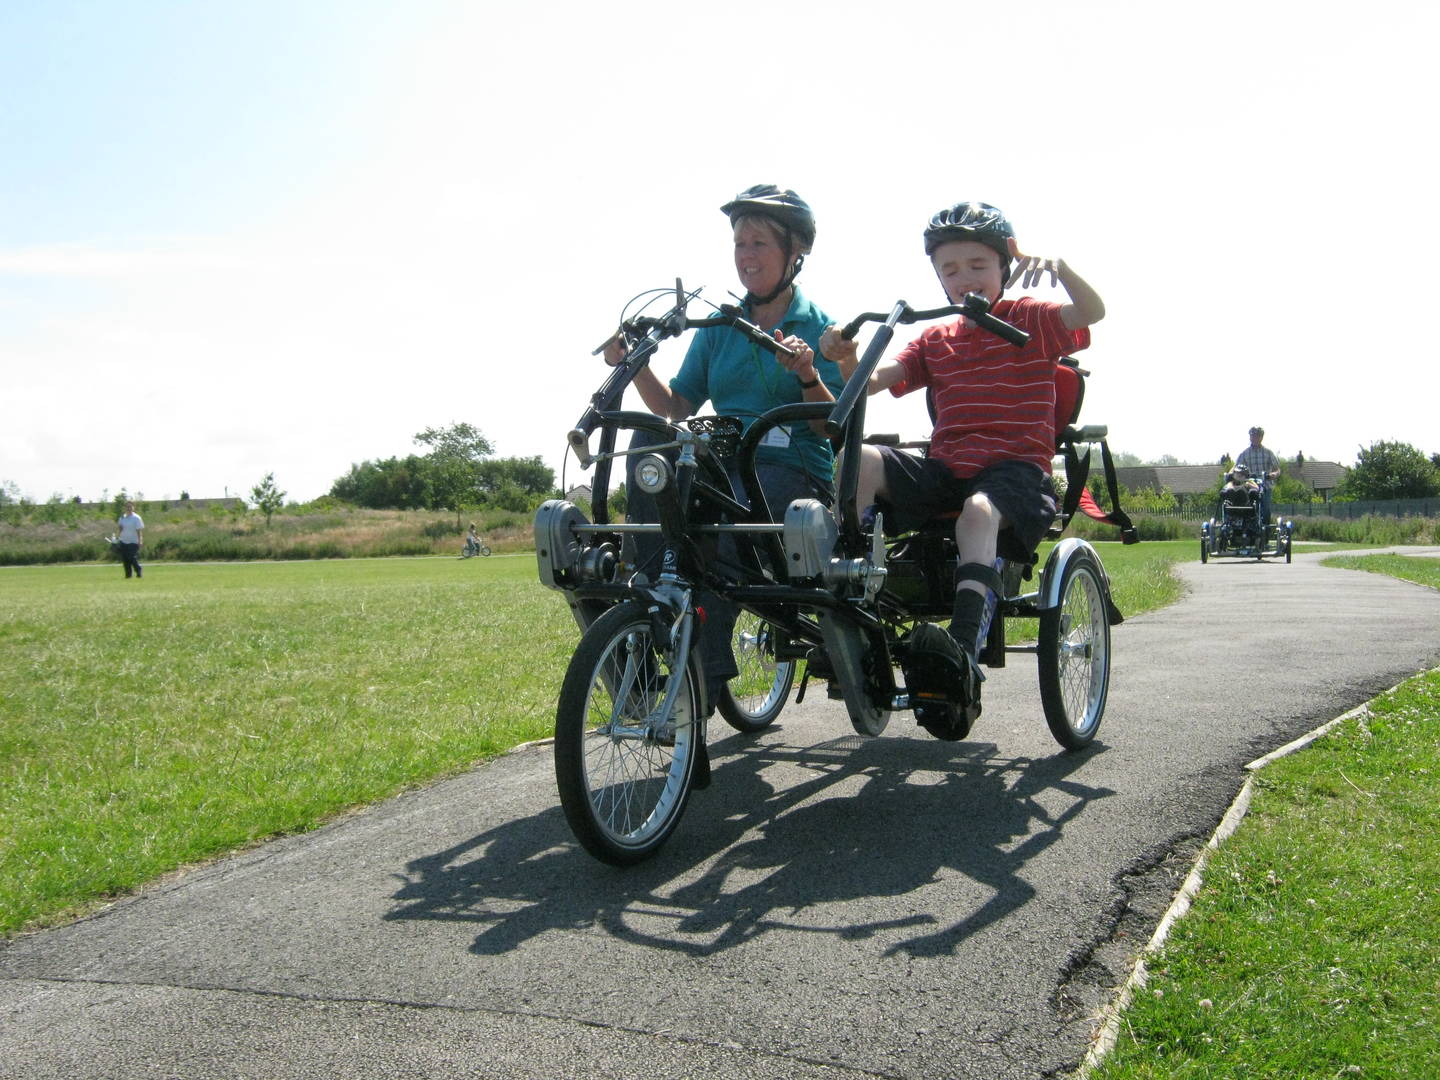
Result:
[[1195, 508]]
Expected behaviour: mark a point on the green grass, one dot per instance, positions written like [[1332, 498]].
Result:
[[1422, 571], [1313, 949], [147, 724], [153, 723]]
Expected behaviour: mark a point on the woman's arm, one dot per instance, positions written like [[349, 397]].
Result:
[[658, 397]]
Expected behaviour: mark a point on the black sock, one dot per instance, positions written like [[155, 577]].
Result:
[[969, 614]]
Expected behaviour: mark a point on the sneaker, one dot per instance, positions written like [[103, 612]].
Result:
[[944, 682]]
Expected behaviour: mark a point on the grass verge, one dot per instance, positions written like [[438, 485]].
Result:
[[153, 723], [1313, 948]]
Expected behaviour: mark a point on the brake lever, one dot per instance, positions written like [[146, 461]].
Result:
[[731, 312]]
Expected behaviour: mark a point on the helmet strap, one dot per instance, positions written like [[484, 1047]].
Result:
[[785, 283]]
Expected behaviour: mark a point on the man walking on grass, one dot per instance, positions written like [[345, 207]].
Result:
[[132, 532]]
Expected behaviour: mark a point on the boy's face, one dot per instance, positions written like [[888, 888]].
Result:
[[967, 266]]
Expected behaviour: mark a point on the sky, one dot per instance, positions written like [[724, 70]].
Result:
[[242, 237]]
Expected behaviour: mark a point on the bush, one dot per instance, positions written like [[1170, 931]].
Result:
[[438, 530]]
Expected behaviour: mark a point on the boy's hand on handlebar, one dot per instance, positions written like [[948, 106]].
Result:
[[840, 350]]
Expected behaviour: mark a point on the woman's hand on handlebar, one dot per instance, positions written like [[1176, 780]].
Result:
[[801, 360], [615, 350]]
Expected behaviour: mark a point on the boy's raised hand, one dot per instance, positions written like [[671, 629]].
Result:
[[1031, 267]]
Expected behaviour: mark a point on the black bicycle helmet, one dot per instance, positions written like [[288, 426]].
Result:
[[783, 206], [793, 218], [976, 221]]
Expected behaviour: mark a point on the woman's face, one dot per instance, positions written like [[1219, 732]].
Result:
[[759, 257]]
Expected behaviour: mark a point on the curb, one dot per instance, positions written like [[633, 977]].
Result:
[[1109, 1030]]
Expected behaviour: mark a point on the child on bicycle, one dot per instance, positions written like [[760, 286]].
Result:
[[994, 408]]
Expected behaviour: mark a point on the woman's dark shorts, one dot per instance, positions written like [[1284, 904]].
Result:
[[924, 488]]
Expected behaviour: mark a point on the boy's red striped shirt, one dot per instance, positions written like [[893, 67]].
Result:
[[993, 402]]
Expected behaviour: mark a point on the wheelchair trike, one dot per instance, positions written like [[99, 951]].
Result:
[[630, 729], [1237, 532]]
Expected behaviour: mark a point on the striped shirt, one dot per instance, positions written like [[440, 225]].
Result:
[[993, 402]]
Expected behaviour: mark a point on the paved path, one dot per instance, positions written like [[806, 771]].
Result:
[[831, 907]]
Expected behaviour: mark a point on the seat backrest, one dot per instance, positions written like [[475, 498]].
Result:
[[1069, 394]]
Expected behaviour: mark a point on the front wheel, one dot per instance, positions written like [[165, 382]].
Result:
[[753, 699], [1074, 653], [624, 761], [485, 549]]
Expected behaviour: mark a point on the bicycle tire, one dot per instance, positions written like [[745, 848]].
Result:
[[1074, 654], [752, 700], [622, 787]]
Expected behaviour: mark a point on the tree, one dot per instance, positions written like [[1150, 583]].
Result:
[[267, 497], [530, 475], [393, 484], [456, 454], [1391, 470], [620, 499], [462, 441]]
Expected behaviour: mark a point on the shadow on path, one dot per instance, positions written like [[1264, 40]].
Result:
[[857, 818]]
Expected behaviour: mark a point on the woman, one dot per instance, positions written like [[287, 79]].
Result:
[[773, 230]]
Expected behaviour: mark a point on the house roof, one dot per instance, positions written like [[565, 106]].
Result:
[[1179, 479], [1320, 475]]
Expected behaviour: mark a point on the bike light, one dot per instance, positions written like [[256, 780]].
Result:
[[652, 474]]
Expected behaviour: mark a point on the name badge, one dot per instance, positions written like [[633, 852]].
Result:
[[777, 436]]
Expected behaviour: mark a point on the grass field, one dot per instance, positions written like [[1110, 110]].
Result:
[[1313, 948], [148, 724]]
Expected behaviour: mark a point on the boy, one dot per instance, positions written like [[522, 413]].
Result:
[[994, 410]]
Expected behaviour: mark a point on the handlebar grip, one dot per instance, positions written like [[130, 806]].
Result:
[[977, 309], [731, 317]]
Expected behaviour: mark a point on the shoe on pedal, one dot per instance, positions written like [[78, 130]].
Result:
[[944, 683]]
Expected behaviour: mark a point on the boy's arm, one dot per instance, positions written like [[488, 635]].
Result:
[[1085, 307], [846, 357]]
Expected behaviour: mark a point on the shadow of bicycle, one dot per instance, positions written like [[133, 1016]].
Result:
[[783, 839]]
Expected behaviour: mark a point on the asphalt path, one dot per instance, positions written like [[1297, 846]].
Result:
[[831, 907]]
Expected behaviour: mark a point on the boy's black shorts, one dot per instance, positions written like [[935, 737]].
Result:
[[924, 488]]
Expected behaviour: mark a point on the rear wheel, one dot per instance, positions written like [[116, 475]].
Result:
[[1074, 653], [753, 699], [624, 761], [1204, 550]]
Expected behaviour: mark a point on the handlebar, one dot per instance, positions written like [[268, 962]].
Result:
[[643, 335], [974, 307]]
